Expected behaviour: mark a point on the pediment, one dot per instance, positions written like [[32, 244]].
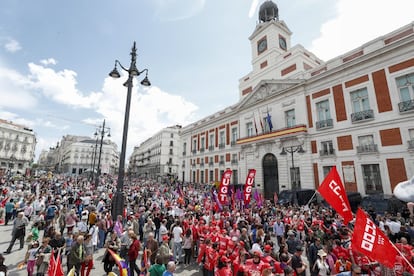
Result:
[[267, 89]]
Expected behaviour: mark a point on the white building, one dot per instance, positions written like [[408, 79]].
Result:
[[17, 148], [75, 155], [158, 156], [355, 112]]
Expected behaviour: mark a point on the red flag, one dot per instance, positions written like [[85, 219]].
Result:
[[58, 267], [371, 241], [334, 193], [248, 186], [52, 264], [224, 186], [275, 197]]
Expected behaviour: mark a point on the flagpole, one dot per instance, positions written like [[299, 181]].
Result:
[[402, 255], [310, 200]]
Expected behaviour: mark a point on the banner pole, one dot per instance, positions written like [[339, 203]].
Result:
[[402, 255], [310, 200]]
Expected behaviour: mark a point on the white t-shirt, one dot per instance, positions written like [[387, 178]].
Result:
[[177, 232]]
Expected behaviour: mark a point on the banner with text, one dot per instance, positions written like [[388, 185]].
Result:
[[334, 193], [224, 187], [369, 240], [248, 186]]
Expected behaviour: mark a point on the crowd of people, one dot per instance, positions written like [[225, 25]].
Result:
[[167, 224]]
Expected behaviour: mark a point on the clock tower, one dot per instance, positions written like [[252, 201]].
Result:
[[271, 36], [273, 56]]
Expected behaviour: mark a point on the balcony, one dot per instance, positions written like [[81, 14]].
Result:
[[202, 165], [211, 164], [184, 153], [234, 162], [221, 163], [210, 148], [194, 151], [362, 115], [406, 106], [233, 143], [193, 165], [222, 146], [327, 152], [369, 148], [324, 124], [183, 166], [411, 144], [201, 150]]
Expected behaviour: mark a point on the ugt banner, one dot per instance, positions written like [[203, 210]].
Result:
[[248, 186], [224, 186]]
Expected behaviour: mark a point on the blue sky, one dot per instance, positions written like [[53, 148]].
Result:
[[55, 57]]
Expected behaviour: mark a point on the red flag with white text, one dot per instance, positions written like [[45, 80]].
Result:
[[248, 186], [224, 187], [334, 193], [369, 240]]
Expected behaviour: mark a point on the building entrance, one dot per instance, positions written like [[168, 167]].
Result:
[[270, 175]]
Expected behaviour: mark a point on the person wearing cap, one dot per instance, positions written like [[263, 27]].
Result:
[[313, 254], [223, 267], [292, 242], [342, 264], [321, 266], [254, 265], [30, 257], [297, 262], [164, 250]]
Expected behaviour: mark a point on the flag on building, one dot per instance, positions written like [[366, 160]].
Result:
[[269, 121]]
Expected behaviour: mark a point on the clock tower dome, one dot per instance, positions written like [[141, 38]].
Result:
[[273, 56]]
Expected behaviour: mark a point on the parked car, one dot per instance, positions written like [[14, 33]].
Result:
[[380, 203]]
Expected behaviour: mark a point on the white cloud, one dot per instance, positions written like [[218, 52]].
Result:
[[59, 86], [14, 90], [173, 10], [151, 110], [11, 45], [358, 22], [49, 61]]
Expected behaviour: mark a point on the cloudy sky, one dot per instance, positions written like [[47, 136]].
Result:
[[55, 57]]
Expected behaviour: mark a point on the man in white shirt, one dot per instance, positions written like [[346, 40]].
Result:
[[163, 230], [177, 233]]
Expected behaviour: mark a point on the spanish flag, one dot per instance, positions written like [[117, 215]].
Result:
[[122, 264]]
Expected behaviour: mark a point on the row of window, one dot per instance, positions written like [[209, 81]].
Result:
[[202, 180], [211, 141]]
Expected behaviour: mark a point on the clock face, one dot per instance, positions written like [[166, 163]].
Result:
[[261, 45], [282, 43]]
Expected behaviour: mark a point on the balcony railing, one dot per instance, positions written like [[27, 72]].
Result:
[[233, 143], [221, 163], [411, 144], [369, 148], [201, 149], [211, 164], [183, 166], [221, 146], [193, 164], [194, 151], [406, 106], [202, 164], [327, 152], [324, 124], [210, 148], [234, 162], [362, 115], [184, 153]]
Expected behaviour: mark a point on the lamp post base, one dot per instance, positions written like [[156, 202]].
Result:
[[117, 205]]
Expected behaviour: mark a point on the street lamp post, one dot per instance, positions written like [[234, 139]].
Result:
[[102, 131], [118, 199], [95, 149], [294, 175]]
